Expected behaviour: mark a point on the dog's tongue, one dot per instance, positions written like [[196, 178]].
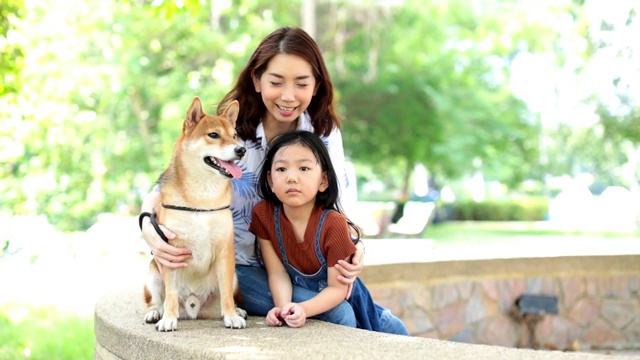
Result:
[[234, 169]]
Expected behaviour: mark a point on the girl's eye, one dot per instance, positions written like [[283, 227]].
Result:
[[303, 85], [274, 83], [280, 169], [304, 168]]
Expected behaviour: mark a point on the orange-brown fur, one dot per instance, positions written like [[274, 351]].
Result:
[[206, 287]]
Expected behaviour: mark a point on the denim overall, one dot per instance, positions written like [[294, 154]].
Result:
[[368, 314]]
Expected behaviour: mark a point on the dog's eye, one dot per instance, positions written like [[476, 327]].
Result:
[[214, 135]]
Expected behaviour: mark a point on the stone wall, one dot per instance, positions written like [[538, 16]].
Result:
[[473, 301]]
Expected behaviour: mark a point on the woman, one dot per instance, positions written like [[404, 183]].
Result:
[[285, 86]]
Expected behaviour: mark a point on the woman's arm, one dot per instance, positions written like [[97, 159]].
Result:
[[163, 253], [279, 280], [347, 192], [347, 271]]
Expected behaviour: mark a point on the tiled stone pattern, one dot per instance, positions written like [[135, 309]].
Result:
[[595, 312]]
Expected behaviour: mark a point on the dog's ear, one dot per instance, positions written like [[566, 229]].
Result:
[[194, 114], [231, 112]]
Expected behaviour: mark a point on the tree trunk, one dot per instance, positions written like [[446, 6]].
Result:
[[406, 181]]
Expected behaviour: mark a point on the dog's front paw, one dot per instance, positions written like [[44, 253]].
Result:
[[152, 317], [167, 324], [234, 322], [241, 313]]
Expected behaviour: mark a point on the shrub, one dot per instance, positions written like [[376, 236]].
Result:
[[516, 209]]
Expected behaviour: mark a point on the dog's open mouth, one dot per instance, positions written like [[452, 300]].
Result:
[[226, 168]]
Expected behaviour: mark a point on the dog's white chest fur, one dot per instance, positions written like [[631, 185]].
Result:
[[203, 233]]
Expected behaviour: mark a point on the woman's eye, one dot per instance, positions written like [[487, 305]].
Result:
[[280, 169], [304, 168], [275, 83]]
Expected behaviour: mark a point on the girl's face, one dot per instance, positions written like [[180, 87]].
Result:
[[286, 87], [296, 176]]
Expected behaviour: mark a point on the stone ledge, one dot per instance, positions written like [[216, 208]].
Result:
[[122, 334], [434, 272]]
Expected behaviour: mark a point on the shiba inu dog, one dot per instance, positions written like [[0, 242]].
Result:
[[195, 192]]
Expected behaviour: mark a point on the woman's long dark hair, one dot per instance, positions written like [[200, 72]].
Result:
[[327, 199], [291, 41]]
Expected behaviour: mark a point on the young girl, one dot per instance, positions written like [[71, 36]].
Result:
[[285, 86], [303, 234]]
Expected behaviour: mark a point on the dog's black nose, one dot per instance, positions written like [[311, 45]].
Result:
[[240, 151]]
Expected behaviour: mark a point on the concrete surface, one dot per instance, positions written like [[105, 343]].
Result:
[[122, 334]]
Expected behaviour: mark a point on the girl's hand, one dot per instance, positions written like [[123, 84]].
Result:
[[350, 271], [294, 315], [273, 317], [163, 253]]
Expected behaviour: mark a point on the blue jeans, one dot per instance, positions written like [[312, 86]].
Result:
[[371, 316], [257, 301], [391, 324]]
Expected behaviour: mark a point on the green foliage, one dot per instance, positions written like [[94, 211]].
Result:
[[516, 209], [606, 145], [438, 96], [44, 333], [106, 98], [502, 232], [11, 55], [104, 87]]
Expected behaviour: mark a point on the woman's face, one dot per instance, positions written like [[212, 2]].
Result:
[[286, 87]]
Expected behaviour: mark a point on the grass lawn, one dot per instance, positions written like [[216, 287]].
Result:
[[44, 333], [499, 232]]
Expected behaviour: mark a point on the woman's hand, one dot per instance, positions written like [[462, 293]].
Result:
[[350, 271], [164, 253]]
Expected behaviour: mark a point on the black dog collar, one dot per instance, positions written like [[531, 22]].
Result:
[[184, 208]]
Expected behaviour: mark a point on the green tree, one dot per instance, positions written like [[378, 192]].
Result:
[[11, 56], [620, 115], [601, 136], [436, 94], [105, 95], [105, 86]]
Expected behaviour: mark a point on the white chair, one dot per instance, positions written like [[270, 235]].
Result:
[[415, 218]]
